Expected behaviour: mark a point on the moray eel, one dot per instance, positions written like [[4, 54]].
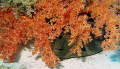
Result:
[[60, 46], [62, 50]]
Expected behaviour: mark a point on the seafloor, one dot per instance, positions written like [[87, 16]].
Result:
[[103, 60]]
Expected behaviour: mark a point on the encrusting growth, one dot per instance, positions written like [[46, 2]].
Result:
[[22, 6], [53, 17]]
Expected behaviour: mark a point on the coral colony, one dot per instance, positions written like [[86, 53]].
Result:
[[46, 20]]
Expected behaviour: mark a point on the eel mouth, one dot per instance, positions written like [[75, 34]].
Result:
[[59, 49]]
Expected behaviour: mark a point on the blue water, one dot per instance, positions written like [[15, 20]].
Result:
[[116, 56]]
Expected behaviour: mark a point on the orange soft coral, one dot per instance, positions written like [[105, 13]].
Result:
[[106, 15], [54, 17]]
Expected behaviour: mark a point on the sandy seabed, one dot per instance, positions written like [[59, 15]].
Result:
[[103, 60]]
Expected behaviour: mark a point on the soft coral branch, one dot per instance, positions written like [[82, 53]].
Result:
[[106, 15]]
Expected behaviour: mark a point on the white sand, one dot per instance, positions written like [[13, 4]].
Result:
[[98, 61]]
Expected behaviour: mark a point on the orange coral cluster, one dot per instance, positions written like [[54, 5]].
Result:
[[105, 13], [54, 17]]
